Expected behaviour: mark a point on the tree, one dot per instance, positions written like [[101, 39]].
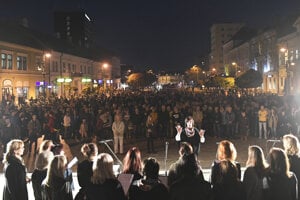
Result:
[[138, 80], [220, 82], [249, 79], [194, 75]]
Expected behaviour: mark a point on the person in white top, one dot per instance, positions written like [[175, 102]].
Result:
[[118, 127]]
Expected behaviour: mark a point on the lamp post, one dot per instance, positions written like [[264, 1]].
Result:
[[104, 67], [235, 68], [47, 56]]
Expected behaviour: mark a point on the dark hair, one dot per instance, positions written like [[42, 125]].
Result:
[[185, 148], [132, 161], [89, 150], [151, 168]]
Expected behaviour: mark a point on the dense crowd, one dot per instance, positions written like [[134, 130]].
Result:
[[150, 116]]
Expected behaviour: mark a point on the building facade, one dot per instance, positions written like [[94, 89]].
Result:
[[220, 34]]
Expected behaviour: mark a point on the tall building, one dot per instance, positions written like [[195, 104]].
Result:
[[74, 26], [220, 34]]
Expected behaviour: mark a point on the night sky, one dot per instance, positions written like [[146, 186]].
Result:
[[159, 34]]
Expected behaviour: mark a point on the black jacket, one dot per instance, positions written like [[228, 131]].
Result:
[[37, 178], [111, 189], [15, 180]]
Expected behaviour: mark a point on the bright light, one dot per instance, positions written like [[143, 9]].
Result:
[[87, 17], [68, 80], [213, 69], [86, 80], [47, 55], [60, 80], [105, 65], [283, 49], [292, 63], [233, 63]]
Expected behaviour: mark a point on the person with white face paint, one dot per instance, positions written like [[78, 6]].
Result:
[[190, 134]]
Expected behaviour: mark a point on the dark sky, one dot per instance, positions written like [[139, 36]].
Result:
[[161, 34]]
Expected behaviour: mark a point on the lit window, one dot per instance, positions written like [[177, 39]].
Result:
[[22, 63]]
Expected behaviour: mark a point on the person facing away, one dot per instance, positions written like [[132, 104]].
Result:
[[282, 183], [42, 162], [85, 167], [58, 182], [226, 151], [227, 185], [291, 148], [15, 172], [104, 185], [255, 174], [190, 182], [150, 187]]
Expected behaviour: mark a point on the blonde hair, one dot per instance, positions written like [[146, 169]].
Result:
[[11, 147], [291, 144], [102, 168], [226, 151], [56, 168]]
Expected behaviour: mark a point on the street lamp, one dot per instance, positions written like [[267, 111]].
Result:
[[235, 68], [104, 67], [47, 56]]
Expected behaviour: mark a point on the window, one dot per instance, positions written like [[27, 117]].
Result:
[[64, 67], [73, 68], [6, 61], [3, 61], [9, 61], [69, 67], [22, 63]]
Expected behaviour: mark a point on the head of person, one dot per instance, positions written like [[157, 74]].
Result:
[[226, 151], [228, 172], [33, 117], [89, 150], [189, 122], [14, 148], [43, 160], [151, 168], [56, 168], [256, 158], [279, 163], [132, 162], [291, 144], [185, 149], [102, 168], [46, 145], [118, 117]]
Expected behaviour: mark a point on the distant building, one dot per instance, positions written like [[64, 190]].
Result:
[[34, 64], [220, 34], [74, 26]]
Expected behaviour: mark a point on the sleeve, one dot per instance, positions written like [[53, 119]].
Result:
[[248, 184]]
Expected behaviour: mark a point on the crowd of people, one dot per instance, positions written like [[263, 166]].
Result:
[[151, 116]]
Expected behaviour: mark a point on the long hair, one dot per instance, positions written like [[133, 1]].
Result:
[[226, 151], [11, 147], [56, 168], [279, 163], [185, 149], [132, 161], [257, 159], [89, 150], [291, 144], [102, 168], [228, 173]]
